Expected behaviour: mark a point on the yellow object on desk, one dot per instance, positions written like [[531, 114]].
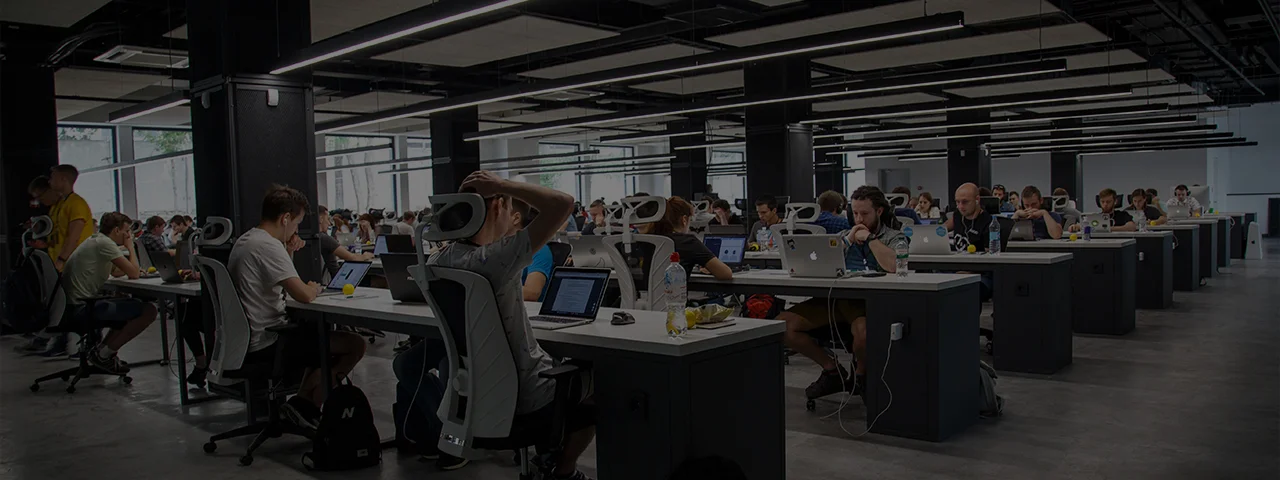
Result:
[[1074, 237], [151, 269], [972, 249], [348, 289]]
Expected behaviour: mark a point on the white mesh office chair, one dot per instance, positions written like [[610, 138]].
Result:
[[654, 252], [898, 200], [797, 221], [478, 411]]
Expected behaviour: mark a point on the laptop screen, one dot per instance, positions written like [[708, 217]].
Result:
[[351, 272], [380, 247], [729, 249], [575, 292]]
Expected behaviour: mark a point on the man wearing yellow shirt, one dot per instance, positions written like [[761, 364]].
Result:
[[72, 218]]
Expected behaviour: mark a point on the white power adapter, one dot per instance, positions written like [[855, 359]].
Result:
[[896, 331]]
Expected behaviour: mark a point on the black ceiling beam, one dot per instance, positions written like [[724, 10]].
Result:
[[1204, 44]]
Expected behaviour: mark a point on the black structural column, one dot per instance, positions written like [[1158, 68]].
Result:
[[828, 173], [1066, 170], [251, 129], [689, 168], [967, 161], [28, 131], [453, 158], [779, 148]]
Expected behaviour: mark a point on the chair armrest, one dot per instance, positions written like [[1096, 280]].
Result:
[[557, 373]]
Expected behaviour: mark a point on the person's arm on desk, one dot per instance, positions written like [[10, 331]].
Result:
[[300, 292], [718, 269], [885, 256], [347, 256], [1050, 223], [127, 266]]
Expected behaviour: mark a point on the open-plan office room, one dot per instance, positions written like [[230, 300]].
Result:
[[640, 239]]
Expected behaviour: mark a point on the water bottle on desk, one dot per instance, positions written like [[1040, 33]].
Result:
[[1088, 232], [901, 251], [1140, 217], [762, 238], [993, 240], [676, 290]]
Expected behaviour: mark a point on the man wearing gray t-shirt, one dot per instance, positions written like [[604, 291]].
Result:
[[499, 252]]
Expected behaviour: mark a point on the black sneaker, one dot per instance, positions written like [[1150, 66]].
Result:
[[301, 413], [448, 462], [576, 475], [110, 366], [197, 377], [830, 382]]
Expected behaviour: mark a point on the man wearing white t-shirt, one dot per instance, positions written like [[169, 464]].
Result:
[[1182, 198]]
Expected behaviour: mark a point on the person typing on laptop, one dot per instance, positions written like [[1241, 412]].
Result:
[[262, 271], [1140, 202], [1182, 198], [1044, 224], [694, 255], [330, 249], [1121, 221], [499, 253], [867, 247]]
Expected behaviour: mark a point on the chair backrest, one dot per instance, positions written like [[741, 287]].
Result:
[[560, 253], [906, 220], [231, 325], [144, 255], [640, 272], [898, 200]]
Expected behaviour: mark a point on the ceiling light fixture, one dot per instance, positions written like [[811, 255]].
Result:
[[639, 137], [796, 46], [1015, 131], [1153, 132], [1206, 138], [1033, 118], [170, 100], [1170, 148], [580, 164], [307, 56], [715, 144], [581, 153], [598, 169], [875, 86], [1079, 94]]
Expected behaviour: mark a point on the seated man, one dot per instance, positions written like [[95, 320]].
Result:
[[1121, 221], [331, 250], [1045, 224], [595, 218], [153, 235], [90, 266], [767, 210], [830, 202], [405, 226], [867, 247], [1182, 198], [261, 268], [535, 276], [180, 228], [498, 252], [724, 214], [998, 191], [972, 227]]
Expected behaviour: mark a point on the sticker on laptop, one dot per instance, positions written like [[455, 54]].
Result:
[[942, 231], [907, 231], [834, 244]]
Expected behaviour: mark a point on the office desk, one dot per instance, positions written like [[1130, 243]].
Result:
[[1155, 267], [659, 401], [1102, 282], [763, 259], [1239, 230], [932, 370], [1224, 238], [154, 288], [1031, 294], [1186, 255], [1208, 243]]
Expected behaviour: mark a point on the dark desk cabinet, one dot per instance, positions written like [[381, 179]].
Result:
[[1102, 286]]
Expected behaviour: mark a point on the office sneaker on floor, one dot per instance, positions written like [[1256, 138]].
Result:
[[829, 382], [111, 366], [301, 413], [576, 475], [33, 346]]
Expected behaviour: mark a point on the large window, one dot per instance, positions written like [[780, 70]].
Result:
[[358, 188], [609, 186], [164, 187], [420, 181], [857, 177], [729, 187], [86, 148], [563, 181]]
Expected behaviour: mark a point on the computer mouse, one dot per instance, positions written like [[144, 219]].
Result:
[[622, 318]]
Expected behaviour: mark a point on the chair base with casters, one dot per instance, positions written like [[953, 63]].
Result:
[[262, 381], [90, 331], [830, 345], [529, 430]]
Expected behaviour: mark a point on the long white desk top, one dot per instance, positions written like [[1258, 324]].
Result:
[[1068, 244], [1196, 221], [766, 255], [1005, 258], [1175, 226], [1150, 234], [156, 284], [647, 335], [930, 282]]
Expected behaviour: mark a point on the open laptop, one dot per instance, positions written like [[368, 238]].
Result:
[[928, 239], [1097, 222], [730, 249], [813, 256], [394, 244], [573, 298], [1023, 230], [396, 268], [1177, 211], [167, 267], [351, 272], [347, 239]]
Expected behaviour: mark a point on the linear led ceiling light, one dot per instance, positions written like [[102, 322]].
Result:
[[580, 165], [595, 169], [865, 143], [715, 144], [1151, 132], [1169, 148], [1031, 118], [580, 153], [642, 136], [867, 87], [796, 46], [440, 13], [1078, 94], [176, 98], [1208, 137]]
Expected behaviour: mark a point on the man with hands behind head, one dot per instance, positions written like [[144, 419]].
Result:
[[1044, 223]]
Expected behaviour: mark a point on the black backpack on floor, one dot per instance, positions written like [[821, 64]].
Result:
[[347, 438], [23, 310]]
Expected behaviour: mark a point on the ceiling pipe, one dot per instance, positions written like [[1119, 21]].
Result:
[[1204, 45]]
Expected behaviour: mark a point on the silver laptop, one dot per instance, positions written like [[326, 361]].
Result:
[[351, 272], [813, 256], [1178, 211], [1023, 230], [346, 239], [573, 298], [928, 239], [1097, 222], [588, 251]]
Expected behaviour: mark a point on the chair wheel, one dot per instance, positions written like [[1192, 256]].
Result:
[[127, 380], [35, 387], [371, 339], [210, 447], [246, 460], [810, 405], [71, 389]]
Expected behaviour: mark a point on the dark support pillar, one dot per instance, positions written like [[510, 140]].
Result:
[[689, 168], [250, 129], [1066, 169], [828, 173], [28, 134], [779, 149], [967, 161], [452, 157]]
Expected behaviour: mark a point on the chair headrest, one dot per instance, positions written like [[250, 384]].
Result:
[[701, 206], [637, 210], [41, 227], [136, 227], [457, 216], [1060, 202], [216, 231], [803, 212], [898, 200]]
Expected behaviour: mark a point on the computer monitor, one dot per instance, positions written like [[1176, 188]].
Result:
[[990, 205], [1201, 194]]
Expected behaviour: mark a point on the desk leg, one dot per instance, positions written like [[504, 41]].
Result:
[[1155, 280], [1208, 250], [1224, 242], [326, 374], [165, 315], [1039, 343], [183, 398]]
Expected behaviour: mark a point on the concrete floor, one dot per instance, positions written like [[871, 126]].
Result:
[[1194, 392]]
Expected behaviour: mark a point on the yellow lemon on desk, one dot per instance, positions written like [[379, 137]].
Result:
[[151, 269], [1074, 237], [1153, 223], [972, 249], [348, 289]]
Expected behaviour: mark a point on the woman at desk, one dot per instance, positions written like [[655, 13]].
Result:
[[331, 250], [365, 231], [694, 255], [925, 208]]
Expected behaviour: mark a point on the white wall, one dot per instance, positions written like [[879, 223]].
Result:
[[1017, 173], [1159, 170], [1244, 178]]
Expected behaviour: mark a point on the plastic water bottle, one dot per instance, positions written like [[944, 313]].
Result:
[[1088, 232], [993, 237], [1140, 217], [676, 290], [901, 252], [762, 238]]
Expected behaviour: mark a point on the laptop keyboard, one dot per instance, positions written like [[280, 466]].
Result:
[[560, 320]]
